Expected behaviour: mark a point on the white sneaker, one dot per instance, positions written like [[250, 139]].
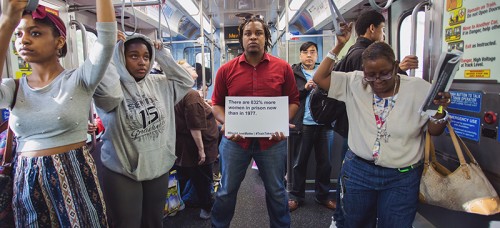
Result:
[[205, 214]]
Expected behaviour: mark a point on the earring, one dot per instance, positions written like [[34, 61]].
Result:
[[59, 52]]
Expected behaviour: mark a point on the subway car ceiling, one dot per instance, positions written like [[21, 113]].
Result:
[[305, 17]]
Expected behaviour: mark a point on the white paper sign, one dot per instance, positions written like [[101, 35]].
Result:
[[256, 116]]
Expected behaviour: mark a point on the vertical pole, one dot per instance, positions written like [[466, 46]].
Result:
[[212, 54], [289, 173], [202, 42]]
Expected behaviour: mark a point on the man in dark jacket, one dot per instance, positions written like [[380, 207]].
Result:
[[370, 28], [307, 135]]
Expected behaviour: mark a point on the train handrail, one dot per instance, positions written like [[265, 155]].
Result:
[[413, 43], [75, 8], [336, 15], [91, 117], [377, 7]]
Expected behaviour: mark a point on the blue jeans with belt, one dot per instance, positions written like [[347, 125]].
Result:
[[234, 161], [378, 196]]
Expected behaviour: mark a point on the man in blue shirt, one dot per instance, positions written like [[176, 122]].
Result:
[[307, 135]]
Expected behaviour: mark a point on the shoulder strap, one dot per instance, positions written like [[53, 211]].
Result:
[[341, 65], [15, 94], [352, 50], [7, 154]]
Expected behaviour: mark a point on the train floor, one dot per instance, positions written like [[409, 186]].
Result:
[[251, 209]]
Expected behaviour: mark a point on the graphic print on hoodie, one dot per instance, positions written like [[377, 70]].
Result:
[[146, 119]]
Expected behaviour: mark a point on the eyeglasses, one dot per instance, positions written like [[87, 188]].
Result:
[[308, 52], [382, 77]]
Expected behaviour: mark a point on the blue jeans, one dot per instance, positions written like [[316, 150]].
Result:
[[338, 215], [234, 162], [320, 138], [375, 196], [201, 180]]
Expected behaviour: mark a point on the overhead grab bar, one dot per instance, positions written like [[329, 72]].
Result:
[[91, 117], [312, 35], [74, 8], [377, 7], [413, 43], [80, 26], [336, 15]]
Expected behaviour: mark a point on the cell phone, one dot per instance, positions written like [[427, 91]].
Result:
[[32, 4]]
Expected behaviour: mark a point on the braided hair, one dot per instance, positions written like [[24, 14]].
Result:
[[267, 32]]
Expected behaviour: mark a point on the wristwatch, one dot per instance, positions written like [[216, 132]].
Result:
[[332, 56], [441, 120]]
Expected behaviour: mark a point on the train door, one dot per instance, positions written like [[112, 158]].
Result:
[[473, 28]]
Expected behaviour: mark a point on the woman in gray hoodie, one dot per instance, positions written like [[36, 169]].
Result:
[[137, 109]]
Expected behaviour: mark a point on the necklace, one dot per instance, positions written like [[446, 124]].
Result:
[[382, 107]]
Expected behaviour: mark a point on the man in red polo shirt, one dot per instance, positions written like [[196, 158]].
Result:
[[254, 73]]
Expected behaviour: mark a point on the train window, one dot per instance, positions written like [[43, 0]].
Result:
[[91, 38], [193, 56], [405, 39]]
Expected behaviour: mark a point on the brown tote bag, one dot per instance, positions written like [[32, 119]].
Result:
[[465, 189]]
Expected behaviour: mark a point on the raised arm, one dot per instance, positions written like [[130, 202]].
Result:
[[174, 72], [101, 53], [12, 12], [322, 75], [105, 11]]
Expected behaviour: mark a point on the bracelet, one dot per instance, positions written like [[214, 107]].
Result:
[[332, 56], [440, 109], [442, 120]]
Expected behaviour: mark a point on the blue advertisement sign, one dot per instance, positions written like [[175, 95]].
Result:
[[5, 114], [466, 101], [466, 126]]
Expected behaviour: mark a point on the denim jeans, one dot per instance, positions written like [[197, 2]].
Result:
[[201, 179], [234, 162], [375, 196], [320, 138], [338, 215]]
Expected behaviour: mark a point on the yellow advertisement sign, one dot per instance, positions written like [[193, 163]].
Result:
[[477, 73], [456, 16], [453, 33], [453, 4]]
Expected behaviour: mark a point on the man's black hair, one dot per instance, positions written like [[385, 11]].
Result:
[[366, 19], [267, 32], [308, 44]]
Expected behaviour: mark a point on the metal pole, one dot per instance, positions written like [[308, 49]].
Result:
[[212, 55], [413, 43], [75, 8], [183, 41], [202, 34], [287, 29], [314, 35], [91, 117], [289, 173]]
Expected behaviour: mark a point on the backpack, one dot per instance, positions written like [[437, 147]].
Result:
[[325, 110]]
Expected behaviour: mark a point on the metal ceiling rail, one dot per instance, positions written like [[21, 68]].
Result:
[[75, 8], [312, 35]]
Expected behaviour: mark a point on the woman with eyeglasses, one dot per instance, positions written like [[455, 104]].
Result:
[[380, 175], [55, 179]]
